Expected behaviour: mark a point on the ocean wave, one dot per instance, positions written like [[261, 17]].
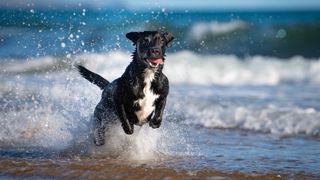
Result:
[[282, 110], [28, 65], [270, 119], [190, 68], [186, 67], [200, 29]]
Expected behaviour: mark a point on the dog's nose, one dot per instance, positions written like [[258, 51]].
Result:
[[155, 51]]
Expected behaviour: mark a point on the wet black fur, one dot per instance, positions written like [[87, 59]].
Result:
[[119, 96]]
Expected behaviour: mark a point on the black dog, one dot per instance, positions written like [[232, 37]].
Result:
[[139, 95]]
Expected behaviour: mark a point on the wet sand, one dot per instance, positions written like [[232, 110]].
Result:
[[118, 169]]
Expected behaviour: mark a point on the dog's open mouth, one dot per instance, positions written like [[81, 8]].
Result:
[[154, 62]]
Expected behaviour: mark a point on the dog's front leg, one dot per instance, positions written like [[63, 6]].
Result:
[[126, 125], [156, 120]]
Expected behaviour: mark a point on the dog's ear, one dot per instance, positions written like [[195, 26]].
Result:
[[169, 37], [133, 36]]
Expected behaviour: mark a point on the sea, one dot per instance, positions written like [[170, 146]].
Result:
[[244, 98]]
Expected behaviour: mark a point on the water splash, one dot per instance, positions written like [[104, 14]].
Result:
[[53, 111]]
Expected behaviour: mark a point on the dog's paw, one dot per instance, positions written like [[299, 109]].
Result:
[[155, 123]]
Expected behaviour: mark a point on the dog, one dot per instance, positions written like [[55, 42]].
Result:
[[139, 95]]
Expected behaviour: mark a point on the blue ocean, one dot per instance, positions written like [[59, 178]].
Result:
[[244, 97]]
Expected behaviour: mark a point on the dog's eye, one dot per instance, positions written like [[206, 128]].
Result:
[[145, 41]]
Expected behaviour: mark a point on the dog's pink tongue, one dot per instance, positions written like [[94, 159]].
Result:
[[156, 61]]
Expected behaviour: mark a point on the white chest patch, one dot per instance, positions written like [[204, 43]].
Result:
[[147, 102]]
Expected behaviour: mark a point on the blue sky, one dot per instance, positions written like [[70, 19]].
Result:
[[168, 4]]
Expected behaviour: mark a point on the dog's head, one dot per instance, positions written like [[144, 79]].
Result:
[[151, 46]]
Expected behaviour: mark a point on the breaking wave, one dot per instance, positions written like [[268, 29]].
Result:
[[185, 67], [201, 29], [267, 119]]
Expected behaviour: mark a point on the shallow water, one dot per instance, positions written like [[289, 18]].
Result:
[[211, 128], [224, 153]]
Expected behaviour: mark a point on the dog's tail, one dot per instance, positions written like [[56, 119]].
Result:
[[93, 77]]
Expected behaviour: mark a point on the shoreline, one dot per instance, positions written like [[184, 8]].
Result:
[[117, 169]]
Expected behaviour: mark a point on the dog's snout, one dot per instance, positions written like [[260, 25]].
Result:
[[154, 51]]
